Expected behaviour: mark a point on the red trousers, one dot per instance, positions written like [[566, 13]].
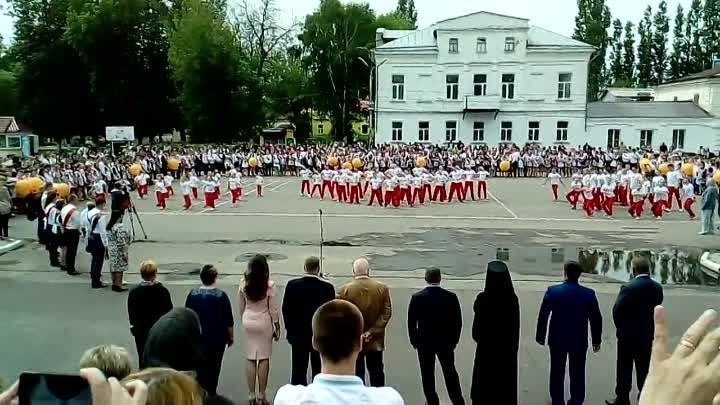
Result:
[[341, 192], [440, 193], [426, 192], [354, 194], [657, 208], [608, 205], [142, 190], [419, 195], [376, 195], [170, 190], [482, 190], [636, 207], [589, 207], [572, 197], [210, 199], [161, 197], [673, 191], [235, 195], [318, 188], [305, 186], [622, 195], [456, 190], [327, 184], [195, 192], [406, 194], [688, 207], [469, 186], [597, 199], [555, 191], [188, 203], [392, 196], [258, 188]]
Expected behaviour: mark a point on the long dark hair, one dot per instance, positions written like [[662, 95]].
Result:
[[114, 218], [257, 277]]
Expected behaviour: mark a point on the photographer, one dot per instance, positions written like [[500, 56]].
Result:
[[120, 198]]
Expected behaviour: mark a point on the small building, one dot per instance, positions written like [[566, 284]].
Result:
[[624, 94], [703, 88], [681, 125], [283, 133]]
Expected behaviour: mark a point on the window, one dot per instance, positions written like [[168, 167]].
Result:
[[3, 141], [423, 131], [564, 85], [562, 131], [398, 87], [364, 129], [646, 137], [508, 86], [480, 85], [453, 45], [534, 131], [481, 45], [613, 138], [478, 131], [509, 44], [320, 129], [506, 131], [13, 141], [451, 86], [678, 141], [397, 131], [450, 131]]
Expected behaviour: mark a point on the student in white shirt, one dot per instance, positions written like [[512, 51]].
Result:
[[305, 185], [210, 191], [688, 197], [160, 192], [660, 193], [234, 187], [186, 190], [70, 222], [52, 231], [258, 185], [168, 185], [673, 184], [317, 186], [337, 328], [555, 180], [482, 176], [100, 188], [141, 180], [194, 183]]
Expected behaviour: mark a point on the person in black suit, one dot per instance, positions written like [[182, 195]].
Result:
[[633, 317], [434, 325], [303, 296], [572, 307], [146, 303]]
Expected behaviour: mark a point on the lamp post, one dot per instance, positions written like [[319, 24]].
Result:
[[373, 86]]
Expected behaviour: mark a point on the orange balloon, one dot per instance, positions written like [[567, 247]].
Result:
[[136, 169], [62, 189], [173, 164], [504, 165], [22, 188], [421, 161], [332, 161], [36, 184], [252, 162], [664, 168], [716, 176], [688, 169], [357, 163], [347, 165]]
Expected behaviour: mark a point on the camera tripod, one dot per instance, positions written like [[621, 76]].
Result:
[[132, 211]]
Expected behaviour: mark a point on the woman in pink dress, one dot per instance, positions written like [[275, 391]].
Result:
[[261, 325]]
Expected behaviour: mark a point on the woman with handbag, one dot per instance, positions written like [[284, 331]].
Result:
[[261, 325]]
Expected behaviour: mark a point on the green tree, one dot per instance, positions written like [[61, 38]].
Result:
[[8, 94], [645, 49], [216, 93], [336, 38], [681, 44], [661, 28], [52, 80], [628, 74], [393, 21], [591, 25], [124, 45], [291, 93], [693, 34], [711, 32], [406, 10], [616, 55]]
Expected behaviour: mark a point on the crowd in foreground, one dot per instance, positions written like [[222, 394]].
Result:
[[340, 332]]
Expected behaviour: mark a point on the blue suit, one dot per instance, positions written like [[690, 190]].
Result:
[[573, 307]]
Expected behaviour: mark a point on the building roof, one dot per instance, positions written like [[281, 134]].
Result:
[[629, 92], [8, 125], [541, 37], [705, 74], [655, 109]]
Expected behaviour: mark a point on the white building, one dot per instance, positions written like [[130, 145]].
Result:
[[702, 88], [480, 78]]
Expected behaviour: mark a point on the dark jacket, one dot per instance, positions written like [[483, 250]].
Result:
[[214, 310], [175, 342], [434, 319], [634, 307], [572, 307], [303, 296], [146, 304]]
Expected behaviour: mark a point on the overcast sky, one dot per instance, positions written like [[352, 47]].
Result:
[[554, 15]]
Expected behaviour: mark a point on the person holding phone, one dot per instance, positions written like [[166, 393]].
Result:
[[261, 325]]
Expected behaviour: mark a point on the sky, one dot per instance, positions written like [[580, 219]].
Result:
[[554, 15]]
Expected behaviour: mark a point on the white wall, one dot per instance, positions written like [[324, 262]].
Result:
[[698, 132], [707, 89]]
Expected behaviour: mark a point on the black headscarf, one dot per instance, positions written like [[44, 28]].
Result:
[[498, 284], [175, 342]]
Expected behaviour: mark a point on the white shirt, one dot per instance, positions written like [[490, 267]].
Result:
[[100, 187], [673, 179], [554, 178], [482, 175], [258, 181], [141, 179], [185, 187], [687, 192], [74, 221], [209, 186], [327, 389]]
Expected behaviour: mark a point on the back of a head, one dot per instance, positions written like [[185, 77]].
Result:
[[640, 265], [174, 341], [113, 361], [497, 280], [257, 277], [433, 275], [572, 270], [168, 387], [312, 265], [337, 326], [208, 275], [148, 270]]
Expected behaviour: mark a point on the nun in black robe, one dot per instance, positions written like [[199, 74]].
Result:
[[496, 330]]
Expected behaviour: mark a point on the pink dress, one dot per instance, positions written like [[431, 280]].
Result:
[[258, 319]]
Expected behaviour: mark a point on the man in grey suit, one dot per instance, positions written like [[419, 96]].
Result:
[[707, 213]]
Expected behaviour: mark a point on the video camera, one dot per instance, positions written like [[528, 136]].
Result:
[[120, 197]]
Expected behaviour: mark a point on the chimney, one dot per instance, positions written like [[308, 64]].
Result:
[[379, 37]]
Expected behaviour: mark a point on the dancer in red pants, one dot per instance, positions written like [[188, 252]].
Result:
[[482, 176], [588, 205], [354, 186], [142, 184], [573, 195], [327, 183], [673, 185], [186, 190], [469, 184], [317, 186], [660, 194], [392, 192], [194, 183], [306, 175], [209, 187], [376, 184], [234, 187], [555, 180], [688, 196], [160, 192], [440, 192], [259, 185], [456, 185], [637, 201], [608, 190]]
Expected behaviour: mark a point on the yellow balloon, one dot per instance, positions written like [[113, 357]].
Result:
[[62, 189], [645, 165], [357, 163], [252, 162], [664, 168], [347, 165], [136, 169], [504, 165], [22, 188], [688, 169], [421, 161], [332, 161], [716, 176], [173, 164], [36, 184]]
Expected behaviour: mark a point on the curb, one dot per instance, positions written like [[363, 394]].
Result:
[[16, 244]]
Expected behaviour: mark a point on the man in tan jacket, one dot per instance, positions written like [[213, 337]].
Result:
[[373, 299]]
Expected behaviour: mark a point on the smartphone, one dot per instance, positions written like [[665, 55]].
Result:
[[53, 389]]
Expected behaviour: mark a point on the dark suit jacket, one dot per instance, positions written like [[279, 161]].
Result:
[[303, 296], [146, 304], [634, 307], [572, 307], [434, 319]]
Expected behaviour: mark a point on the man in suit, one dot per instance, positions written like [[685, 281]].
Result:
[[633, 317], [434, 326], [303, 296], [373, 299], [572, 307]]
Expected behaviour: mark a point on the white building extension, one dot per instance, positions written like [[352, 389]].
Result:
[[703, 88], [480, 78]]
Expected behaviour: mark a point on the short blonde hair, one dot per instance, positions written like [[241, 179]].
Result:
[[113, 361], [168, 387], [148, 270]]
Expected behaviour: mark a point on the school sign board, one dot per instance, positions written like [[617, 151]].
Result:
[[119, 134]]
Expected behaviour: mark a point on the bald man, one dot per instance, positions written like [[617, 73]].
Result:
[[373, 299]]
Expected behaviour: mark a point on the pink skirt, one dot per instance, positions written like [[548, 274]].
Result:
[[258, 330]]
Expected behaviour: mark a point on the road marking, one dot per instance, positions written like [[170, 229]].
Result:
[[279, 187], [502, 205], [225, 202]]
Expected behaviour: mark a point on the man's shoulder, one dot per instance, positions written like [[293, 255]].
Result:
[[311, 394]]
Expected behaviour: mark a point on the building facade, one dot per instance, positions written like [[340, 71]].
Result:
[[480, 78], [702, 88]]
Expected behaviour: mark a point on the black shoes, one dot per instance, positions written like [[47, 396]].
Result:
[[73, 272], [119, 289], [617, 401], [98, 286]]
